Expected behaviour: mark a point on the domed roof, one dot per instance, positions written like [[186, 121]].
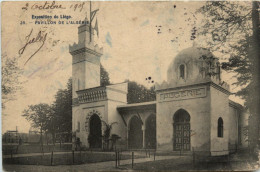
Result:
[[194, 68], [188, 54], [191, 66]]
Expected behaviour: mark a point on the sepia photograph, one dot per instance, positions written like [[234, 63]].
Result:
[[130, 86]]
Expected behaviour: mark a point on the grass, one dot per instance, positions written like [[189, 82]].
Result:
[[66, 159], [34, 148], [180, 164], [184, 163]]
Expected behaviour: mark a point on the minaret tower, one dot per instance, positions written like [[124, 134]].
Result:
[[85, 58]]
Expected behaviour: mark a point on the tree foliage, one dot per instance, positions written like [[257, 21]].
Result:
[[39, 115], [104, 76], [11, 74], [62, 106], [138, 93], [229, 27], [233, 29], [55, 118]]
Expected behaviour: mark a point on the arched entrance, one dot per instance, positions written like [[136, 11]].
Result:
[[150, 132], [181, 130], [95, 133], [135, 134]]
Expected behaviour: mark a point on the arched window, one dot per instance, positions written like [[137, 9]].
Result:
[[78, 126], [182, 71], [220, 127]]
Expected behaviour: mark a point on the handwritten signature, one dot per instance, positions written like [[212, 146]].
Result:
[[41, 37]]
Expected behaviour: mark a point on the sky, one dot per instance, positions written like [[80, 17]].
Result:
[[128, 32]]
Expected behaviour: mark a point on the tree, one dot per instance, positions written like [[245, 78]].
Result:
[[138, 93], [233, 29], [51, 126], [62, 119], [39, 115], [104, 76], [107, 133], [11, 74]]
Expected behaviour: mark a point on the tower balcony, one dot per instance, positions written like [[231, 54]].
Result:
[[113, 92], [92, 95]]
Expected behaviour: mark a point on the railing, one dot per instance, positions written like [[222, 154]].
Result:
[[92, 95]]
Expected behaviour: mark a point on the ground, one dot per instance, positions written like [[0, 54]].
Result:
[[65, 158], [236, 162]]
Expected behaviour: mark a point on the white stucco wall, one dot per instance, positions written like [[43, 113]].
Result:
[[117, 95], [219, 108], [199, 111], [120, 128], [78, 73], [107, 111], [82, 114], [92, 75]]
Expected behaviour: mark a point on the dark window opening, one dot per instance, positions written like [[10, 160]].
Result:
[[182, 71], [220, 127], [78, 126], [95, 133]]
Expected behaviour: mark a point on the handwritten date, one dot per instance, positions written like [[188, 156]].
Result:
[[46, 6]]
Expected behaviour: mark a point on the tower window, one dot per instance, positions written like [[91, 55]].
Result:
[[78, 126], [182, 71], [220, 127]]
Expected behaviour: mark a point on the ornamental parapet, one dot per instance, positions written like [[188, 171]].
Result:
[[92, 95], [85, 47]]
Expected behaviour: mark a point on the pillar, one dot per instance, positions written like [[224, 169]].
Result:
[[127, 132], [102, 133], [143, 128]]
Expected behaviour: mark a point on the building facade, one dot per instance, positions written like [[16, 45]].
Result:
[[192, 110]]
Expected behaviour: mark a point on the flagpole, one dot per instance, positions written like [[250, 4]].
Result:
[[90, 23]]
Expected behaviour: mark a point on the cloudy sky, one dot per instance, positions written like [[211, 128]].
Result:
[[128, 33]]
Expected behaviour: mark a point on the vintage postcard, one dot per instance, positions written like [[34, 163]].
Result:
[[130, 85]]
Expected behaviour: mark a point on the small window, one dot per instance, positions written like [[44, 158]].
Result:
[[220, 127], [78, 126], [182, 71]]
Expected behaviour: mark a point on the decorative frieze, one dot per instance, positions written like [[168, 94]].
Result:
[[183, 94]]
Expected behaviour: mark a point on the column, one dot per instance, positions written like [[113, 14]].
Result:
[[127, 132], [143, 128], [102, 133]]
